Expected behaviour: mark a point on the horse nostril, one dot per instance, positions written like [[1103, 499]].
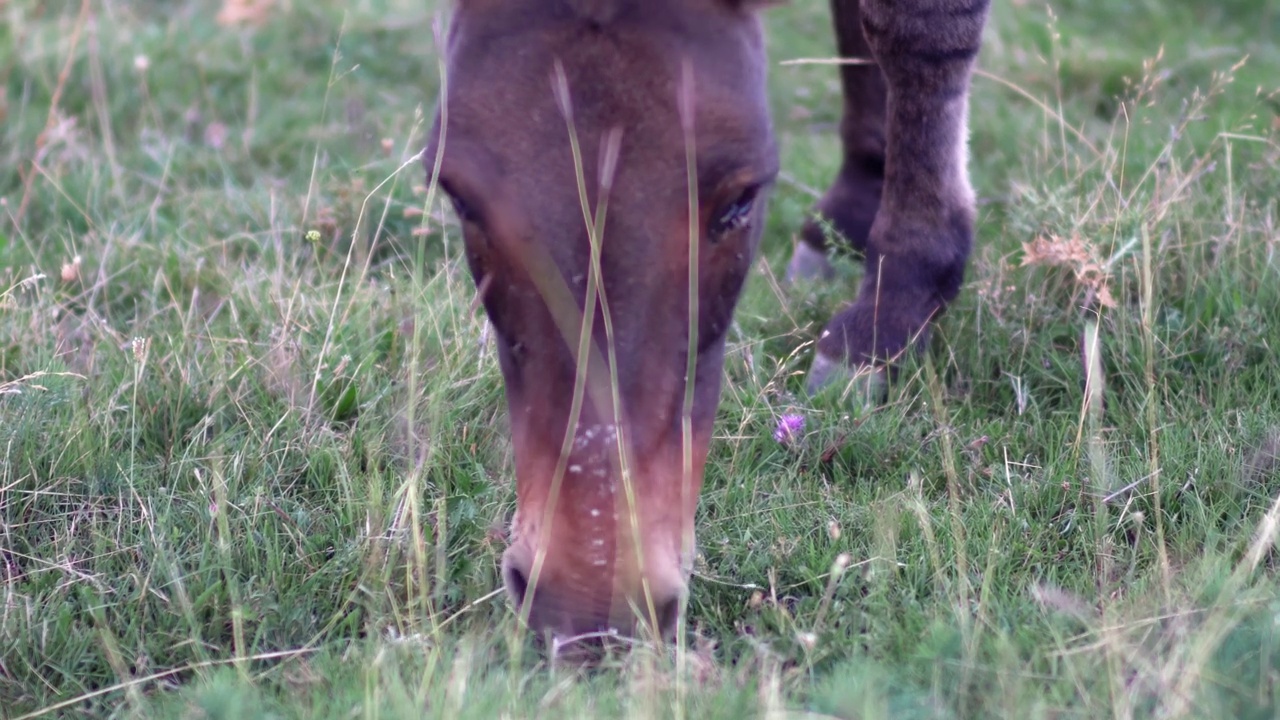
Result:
[[516, 582], [668, 614]]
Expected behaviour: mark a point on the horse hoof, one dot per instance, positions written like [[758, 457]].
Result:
[[865, 385], [808, 264]]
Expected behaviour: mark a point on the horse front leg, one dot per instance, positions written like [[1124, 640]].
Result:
[[919, 243], [849, 205]]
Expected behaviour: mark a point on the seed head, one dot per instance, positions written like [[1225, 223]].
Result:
[[140, 347]]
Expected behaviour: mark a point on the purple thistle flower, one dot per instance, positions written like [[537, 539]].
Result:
[[790, 428]]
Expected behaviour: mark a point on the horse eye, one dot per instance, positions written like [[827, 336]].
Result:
[[735, 216]]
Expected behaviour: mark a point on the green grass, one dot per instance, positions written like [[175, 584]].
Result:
[[251, 470]]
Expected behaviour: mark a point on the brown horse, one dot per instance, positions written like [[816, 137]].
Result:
[[609, 162]]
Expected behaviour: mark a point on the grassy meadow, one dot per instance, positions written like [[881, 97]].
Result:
[[253, 458]]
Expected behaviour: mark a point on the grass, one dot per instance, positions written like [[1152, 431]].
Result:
[[252, 449]]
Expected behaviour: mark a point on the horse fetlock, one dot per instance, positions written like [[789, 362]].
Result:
[[848, 208], [880, 325], [899, 298]]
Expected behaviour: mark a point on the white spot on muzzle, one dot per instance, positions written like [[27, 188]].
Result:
[[595, 456]]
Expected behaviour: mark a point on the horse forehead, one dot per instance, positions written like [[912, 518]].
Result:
[[507, 15], [504, 52], [647, 36], [596, 11], [505, 99], [630, 80], [625, 75]]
